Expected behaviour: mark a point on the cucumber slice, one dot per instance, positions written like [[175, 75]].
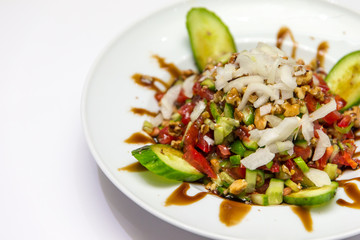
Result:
[[275, 191], [260, 199], [249, 144], [210, 38], [344, 79], [166, 161], [312, 196]]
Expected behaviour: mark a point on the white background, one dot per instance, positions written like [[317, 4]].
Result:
[[51, 187]]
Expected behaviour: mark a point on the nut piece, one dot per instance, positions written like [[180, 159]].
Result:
[[276, 109], [304, 79], [215, 163], [354, 113], [259, 121], [253, 97], [237, 186], [218, 96], [176, 144], [204, 129], [317, 93], [175, 129], [299, 92], [233, 97], [238, 115], [291, 110], [286, 191]]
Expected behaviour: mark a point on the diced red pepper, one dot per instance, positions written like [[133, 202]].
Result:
[[185, 112], [198, 161], [181, 98], [164, 136], [223, 151], [304, 153]]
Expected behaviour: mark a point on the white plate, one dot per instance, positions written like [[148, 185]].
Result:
[[110, 93]]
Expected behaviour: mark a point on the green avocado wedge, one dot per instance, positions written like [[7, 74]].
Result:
[[313, 196], [210, 39], [166, 161], [344, 79]]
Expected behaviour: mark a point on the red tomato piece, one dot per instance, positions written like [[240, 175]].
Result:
[[332, 117], [304, 153], [237, 172], [223, 151], [185, 112], [191, 137], [164, 136], [203, 144], [159, 96], [181, 98], [203, 91], [198, 161], [340, 102], [275, 167], [310, 102], [345, 121], [321, 163]]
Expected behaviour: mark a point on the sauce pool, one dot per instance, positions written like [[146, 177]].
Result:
[[143, 111], [232, 213], [353, 192], [180, 196], [134, 167], [139, 138], [305, 217]]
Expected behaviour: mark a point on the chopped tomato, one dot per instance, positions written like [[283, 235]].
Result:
[[340, 102], [347, 160], [317, 126], [203, 91], [321, 163], [223, 151], [304, 153], [164, 136], [297, 176], [237, 172], [332, 117], [322, 84], [275, 167], [191, 137], [242, 132], [159, 96], [203, 144], [345, 121], [185, 112], [310, 102], [198, 161], [182, 97], [349, 135]]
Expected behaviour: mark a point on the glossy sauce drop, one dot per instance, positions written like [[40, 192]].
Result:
[[142, 111], [231, 212], [169, 67], [180, 196], [353, 192], [305, 217], [139, 138], [320, 55], [281, 36], [149, 82], [134, 167]]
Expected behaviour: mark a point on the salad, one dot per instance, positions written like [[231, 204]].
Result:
[[255, 126]]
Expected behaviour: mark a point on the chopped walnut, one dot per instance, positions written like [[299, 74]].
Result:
[[304, 79], [277, 109], [204, 129], [176, 144], [218, 96], [215, 163], [286, 191], [291, 110], [317, 93], [175, 128], [259, 121], [233, 58], [299, 92], [238, 115], [238, 186], [205, 114], [253, 97], [233, 97], [354, 113]]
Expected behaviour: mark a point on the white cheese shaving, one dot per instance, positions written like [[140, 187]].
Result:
[[321, 145], [188, 86], [323, 110], [318, 177], [257, 159], [168, 100], [265, 109], [198, 109]]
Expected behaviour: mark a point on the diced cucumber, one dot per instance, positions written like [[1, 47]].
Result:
[[275, 191], [210, 38], [209, 83], [249, 115], [312, 196], [269, 164], [250, 178], [226, 178], [294, 187], [331, 170], [238, 148], [166, 161], [228, 110], [301, 164], [306, 182], [219, 135], [215, 111], [223, 128], [260, 178], [249, 144], [260, 199], [344, 79]]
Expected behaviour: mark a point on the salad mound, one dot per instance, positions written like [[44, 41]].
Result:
[[260, 127]]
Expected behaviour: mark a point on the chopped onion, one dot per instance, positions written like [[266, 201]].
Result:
[[307, 127], [318, 177], [258, 88], [286, 77], [209, 140], [279, 133], [241, 82], [224, 74], [157, 120], [168, 100], [273, 120], [265, 109], [321, 145], [188, 86], [323, 110], [259, 158], [198, 109]]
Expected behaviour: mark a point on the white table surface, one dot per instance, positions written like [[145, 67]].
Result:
[[51, 187]]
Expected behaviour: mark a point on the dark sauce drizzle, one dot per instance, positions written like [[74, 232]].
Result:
[[320, 54], [305, 217], [143, 111], [281, 36], [134, 167], [353, 192], [232, 212], [180, 196], [139, 138]]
